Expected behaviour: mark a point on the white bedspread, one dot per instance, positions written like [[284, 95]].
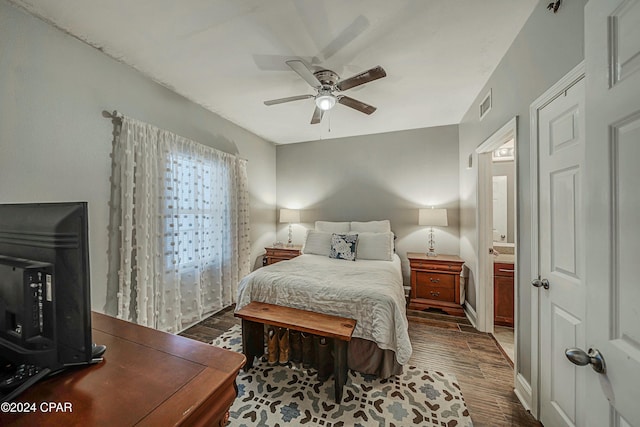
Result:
[[368, 291]]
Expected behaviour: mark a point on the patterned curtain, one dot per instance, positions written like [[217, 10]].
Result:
[[180, 218]]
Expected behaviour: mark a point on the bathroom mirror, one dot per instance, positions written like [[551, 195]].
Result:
[[500, 213]]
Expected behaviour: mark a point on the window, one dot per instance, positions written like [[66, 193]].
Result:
[[190, 212]]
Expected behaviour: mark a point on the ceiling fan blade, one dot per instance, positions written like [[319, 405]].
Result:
[[317, 116], [362, 78], [288, 99], [356, 105], [346, 36], [304, 72]]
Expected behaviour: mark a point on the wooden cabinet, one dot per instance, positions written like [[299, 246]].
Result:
[[284, 253], [435, 282], [503, 294]]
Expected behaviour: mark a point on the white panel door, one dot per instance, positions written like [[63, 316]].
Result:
[[612, 60], [561, 252]]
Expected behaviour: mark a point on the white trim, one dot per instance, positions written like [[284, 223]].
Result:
[[523, 392], [471, 315], [549, 95]]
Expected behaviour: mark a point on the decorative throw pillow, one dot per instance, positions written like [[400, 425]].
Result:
[[343, 246]]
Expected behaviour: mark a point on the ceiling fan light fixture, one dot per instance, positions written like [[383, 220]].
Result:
[[325, 101]]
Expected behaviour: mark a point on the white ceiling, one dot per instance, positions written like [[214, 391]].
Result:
[[229, 55]]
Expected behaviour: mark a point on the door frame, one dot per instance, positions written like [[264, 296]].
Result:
[[484, 234], [484, 219], [560, 87]]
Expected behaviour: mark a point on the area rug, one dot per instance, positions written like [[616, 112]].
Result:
[[291, 396]]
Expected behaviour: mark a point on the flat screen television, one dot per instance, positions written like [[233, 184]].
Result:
[[45, 299]]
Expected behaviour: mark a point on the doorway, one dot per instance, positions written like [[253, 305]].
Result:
[[497, 237]]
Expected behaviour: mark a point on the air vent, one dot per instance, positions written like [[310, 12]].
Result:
[[485, 105]]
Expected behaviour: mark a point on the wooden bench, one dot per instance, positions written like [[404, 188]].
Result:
[[339, 329]]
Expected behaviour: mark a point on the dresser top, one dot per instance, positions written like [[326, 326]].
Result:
[[439, 257], [285, 248]]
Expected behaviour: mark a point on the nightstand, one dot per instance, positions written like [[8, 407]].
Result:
[[284, 253], [435, 282]]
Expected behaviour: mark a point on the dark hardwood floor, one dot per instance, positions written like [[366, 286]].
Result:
[[445, 343]]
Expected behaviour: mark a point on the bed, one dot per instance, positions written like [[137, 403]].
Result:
[[368, 289]]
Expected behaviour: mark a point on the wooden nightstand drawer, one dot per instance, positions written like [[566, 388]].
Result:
[[282, 253], [434, 266], [436, 293], [434, 280]]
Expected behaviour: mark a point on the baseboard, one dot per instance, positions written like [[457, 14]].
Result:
[[471, 315], [523, 392]]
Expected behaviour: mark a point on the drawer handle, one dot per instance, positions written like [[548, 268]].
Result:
[[502, 270], [435, 294], [432, 280]]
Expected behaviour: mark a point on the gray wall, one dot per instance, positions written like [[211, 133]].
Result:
[[55, 145], [381, 176], [548, 47]]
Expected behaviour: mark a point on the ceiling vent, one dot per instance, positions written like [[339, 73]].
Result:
[[485, 105]]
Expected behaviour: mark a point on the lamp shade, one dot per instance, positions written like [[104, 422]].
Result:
[[289, 215], [433, 217]]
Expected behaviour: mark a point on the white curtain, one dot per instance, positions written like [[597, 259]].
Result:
[[180, 218]]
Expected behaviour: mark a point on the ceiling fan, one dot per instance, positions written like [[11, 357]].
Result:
[[326, 82]]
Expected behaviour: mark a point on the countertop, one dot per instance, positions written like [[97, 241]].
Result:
[[505, 258]]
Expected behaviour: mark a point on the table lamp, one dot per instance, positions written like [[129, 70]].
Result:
[[290, 216], [432, 218]]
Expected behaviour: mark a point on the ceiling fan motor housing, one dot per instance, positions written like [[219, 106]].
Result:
[[327, 78]]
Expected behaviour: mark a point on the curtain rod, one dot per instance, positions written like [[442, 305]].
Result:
[[116, 119], [115, 116]]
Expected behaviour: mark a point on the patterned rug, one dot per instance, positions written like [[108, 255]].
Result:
[[291, 396]]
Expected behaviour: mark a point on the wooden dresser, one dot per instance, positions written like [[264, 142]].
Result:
[[284, 253], [435, 282], [147, 378]]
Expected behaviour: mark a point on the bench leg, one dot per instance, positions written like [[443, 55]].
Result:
[[252, 341], [340, 369]]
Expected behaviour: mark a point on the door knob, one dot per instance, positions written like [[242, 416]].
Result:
[[540, 283], [578, 357]]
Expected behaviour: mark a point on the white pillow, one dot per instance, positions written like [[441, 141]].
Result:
[[332, 227], [377, 246], [317, 243], [371, 226]]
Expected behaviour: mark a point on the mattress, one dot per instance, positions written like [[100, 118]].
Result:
[[368, 291]]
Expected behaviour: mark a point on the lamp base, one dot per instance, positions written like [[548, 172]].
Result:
[[432, 244]]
